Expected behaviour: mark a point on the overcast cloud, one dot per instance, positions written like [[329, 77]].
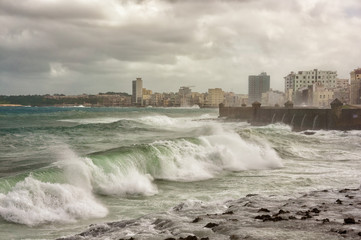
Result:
[[91, 46]]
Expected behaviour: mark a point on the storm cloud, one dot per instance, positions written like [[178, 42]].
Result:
[[77, 46]]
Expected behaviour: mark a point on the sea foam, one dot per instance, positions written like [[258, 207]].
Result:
[[33, 202]]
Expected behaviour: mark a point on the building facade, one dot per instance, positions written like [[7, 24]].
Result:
[[355, 94], [308, 78], [137, 92], [215, 97], [258, 84]]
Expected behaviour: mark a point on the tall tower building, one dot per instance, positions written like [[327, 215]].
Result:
[[137, 92], [257, 84], [355, 96]]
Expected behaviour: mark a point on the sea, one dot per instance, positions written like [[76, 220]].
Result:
[[63, 169]]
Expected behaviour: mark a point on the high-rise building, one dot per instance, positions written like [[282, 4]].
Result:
[[355, 96], [257, 84], [137, 92]]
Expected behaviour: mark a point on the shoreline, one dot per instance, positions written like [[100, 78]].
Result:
[[325, 214]]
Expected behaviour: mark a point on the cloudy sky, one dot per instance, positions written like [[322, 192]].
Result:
[[91, 46]]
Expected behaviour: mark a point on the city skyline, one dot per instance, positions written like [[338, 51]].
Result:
[[73, 47]]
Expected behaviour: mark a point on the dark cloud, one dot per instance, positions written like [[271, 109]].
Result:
[[91, 46]]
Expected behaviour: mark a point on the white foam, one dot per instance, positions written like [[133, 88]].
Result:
[[122, 181], [33, 202], [92, 120], [186, 161]]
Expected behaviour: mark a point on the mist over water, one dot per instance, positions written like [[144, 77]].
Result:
[[63, 169]]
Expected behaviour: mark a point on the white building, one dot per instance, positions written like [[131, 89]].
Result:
[[307, 78], [321, 96], [295, 82]]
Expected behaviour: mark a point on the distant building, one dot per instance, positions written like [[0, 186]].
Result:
[[257, 85], [321, 96], [307, 78], [289, 86], [137, 92], [355, 94], [342, 90], [298, 86], [215, 97], [185, 96]]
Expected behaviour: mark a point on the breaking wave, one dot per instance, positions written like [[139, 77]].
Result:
[[131, 170]]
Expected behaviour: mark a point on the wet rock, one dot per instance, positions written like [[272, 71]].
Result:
[[281, 212], [228, 212], [350, 197], [315, 210], [251, 195], [309, 133], [190, 237], [211, 225], [264, 217], [263, 210], [234, 237], [292, 217], [338, 201], [344, 190], [205, 238], [325, 220], [359, 234], [267, 217], [349, 221], [170, 238], [197, 219], [342, 231]]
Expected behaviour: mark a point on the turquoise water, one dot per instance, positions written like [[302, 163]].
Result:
[[62, 169]]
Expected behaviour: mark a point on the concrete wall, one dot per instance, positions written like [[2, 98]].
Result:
[[299, 118]]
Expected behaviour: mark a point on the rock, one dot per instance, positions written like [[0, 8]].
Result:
[[211, 225], [281, 212], [263, 210], [325, 220], [251, 195], [170, 238], [349, 221], [205, 238], [338, 201], [309, 133], [197, 219], [264, 217], [190, 237], [315, 210], [228, 212], [342, 231]]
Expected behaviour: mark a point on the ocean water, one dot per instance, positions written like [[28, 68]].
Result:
[[62, 169]]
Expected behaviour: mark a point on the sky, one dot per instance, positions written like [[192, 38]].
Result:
[[92, 46]]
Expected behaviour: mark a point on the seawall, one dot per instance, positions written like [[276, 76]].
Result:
[[337, 117]]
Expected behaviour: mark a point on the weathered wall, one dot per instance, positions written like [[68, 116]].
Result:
[[299, 118]]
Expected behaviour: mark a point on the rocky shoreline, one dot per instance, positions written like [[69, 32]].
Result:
[[327, 214]]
